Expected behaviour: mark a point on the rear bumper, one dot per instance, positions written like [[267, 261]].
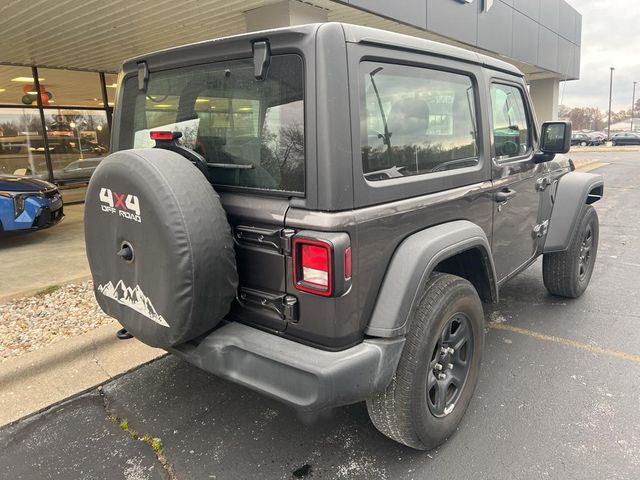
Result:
[[302, 376]]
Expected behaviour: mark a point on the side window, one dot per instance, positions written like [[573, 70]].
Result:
[[511, 132], [415, 121]]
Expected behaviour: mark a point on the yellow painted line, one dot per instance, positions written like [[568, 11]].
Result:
[[565, 341]]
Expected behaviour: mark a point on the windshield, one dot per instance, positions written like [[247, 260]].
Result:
[[250, 132]]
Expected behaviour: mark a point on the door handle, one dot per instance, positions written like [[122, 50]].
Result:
[[504, 195]]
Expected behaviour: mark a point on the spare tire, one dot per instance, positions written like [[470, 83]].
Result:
[[159, 246]]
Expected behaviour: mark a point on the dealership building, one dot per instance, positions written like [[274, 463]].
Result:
[[59, 60]]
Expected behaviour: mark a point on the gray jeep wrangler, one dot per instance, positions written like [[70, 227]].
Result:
[[319, 213]]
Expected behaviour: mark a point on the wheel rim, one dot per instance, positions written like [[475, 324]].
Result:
[[449, 366], [585, 253]]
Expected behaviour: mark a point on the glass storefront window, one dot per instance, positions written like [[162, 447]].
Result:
[[22, 150], [16, 86], [70, 88], [78, 141], [78, 138]]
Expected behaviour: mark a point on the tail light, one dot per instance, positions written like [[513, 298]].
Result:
[[322, 263]]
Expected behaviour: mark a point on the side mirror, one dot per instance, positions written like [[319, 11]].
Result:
[[555, 137]]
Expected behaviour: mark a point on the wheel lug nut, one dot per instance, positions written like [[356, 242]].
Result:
[[449, 350], [450, 366], [437, 367], [441, 376]]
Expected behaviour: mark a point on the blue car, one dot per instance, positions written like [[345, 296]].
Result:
[[28, 203]]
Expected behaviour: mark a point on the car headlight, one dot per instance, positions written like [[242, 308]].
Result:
[[18, 200]]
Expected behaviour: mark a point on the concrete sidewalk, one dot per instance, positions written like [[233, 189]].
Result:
[[41, 378], [32, 261]]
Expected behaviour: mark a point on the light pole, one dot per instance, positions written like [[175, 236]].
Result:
[[610, 94], [73, 125], [633, 104]]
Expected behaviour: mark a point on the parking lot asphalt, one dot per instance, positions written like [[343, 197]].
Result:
[[558, 397]]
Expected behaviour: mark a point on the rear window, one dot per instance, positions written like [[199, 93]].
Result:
[[250, 132]]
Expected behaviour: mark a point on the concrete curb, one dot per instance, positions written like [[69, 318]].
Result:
[[587, 164], [6, 298], [605, 149], [36, 380]]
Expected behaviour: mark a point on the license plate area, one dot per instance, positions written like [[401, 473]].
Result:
[[56, 203]]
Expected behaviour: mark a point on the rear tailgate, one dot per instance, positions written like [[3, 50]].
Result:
[[261, 245]]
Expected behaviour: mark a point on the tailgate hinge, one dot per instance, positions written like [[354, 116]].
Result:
[[286, 306], [277, 239], [286, 234]]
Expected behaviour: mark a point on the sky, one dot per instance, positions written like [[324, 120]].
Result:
[[610, 38]]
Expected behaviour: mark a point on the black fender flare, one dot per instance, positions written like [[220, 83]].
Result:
[[574, 190], [411, 265]]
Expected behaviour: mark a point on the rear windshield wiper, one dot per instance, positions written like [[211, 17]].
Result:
[[234, 166]]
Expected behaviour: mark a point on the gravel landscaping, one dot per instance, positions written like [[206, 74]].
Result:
[[27, 324]]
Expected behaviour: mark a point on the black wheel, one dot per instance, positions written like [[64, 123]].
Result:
[[438, 370], [567, 273]]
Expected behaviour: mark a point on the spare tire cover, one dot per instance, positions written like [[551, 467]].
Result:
[[182, 277]]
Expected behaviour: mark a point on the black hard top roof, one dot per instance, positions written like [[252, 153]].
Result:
[[352, 34]]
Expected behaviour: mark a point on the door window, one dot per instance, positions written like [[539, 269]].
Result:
[[511, 127], [416, 121]]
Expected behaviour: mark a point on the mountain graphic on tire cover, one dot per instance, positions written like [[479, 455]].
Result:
[[133, 298]]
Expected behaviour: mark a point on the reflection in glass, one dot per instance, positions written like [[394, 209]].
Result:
[[553, 137], [78, 141], [22, 149], [510, 124], [416, 121]]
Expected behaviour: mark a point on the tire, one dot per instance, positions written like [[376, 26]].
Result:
[[567, 274], [583, 144], [159, 246], [613, 143], [408, 411]]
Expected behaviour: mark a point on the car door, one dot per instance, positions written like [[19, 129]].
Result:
[[514, 175]]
